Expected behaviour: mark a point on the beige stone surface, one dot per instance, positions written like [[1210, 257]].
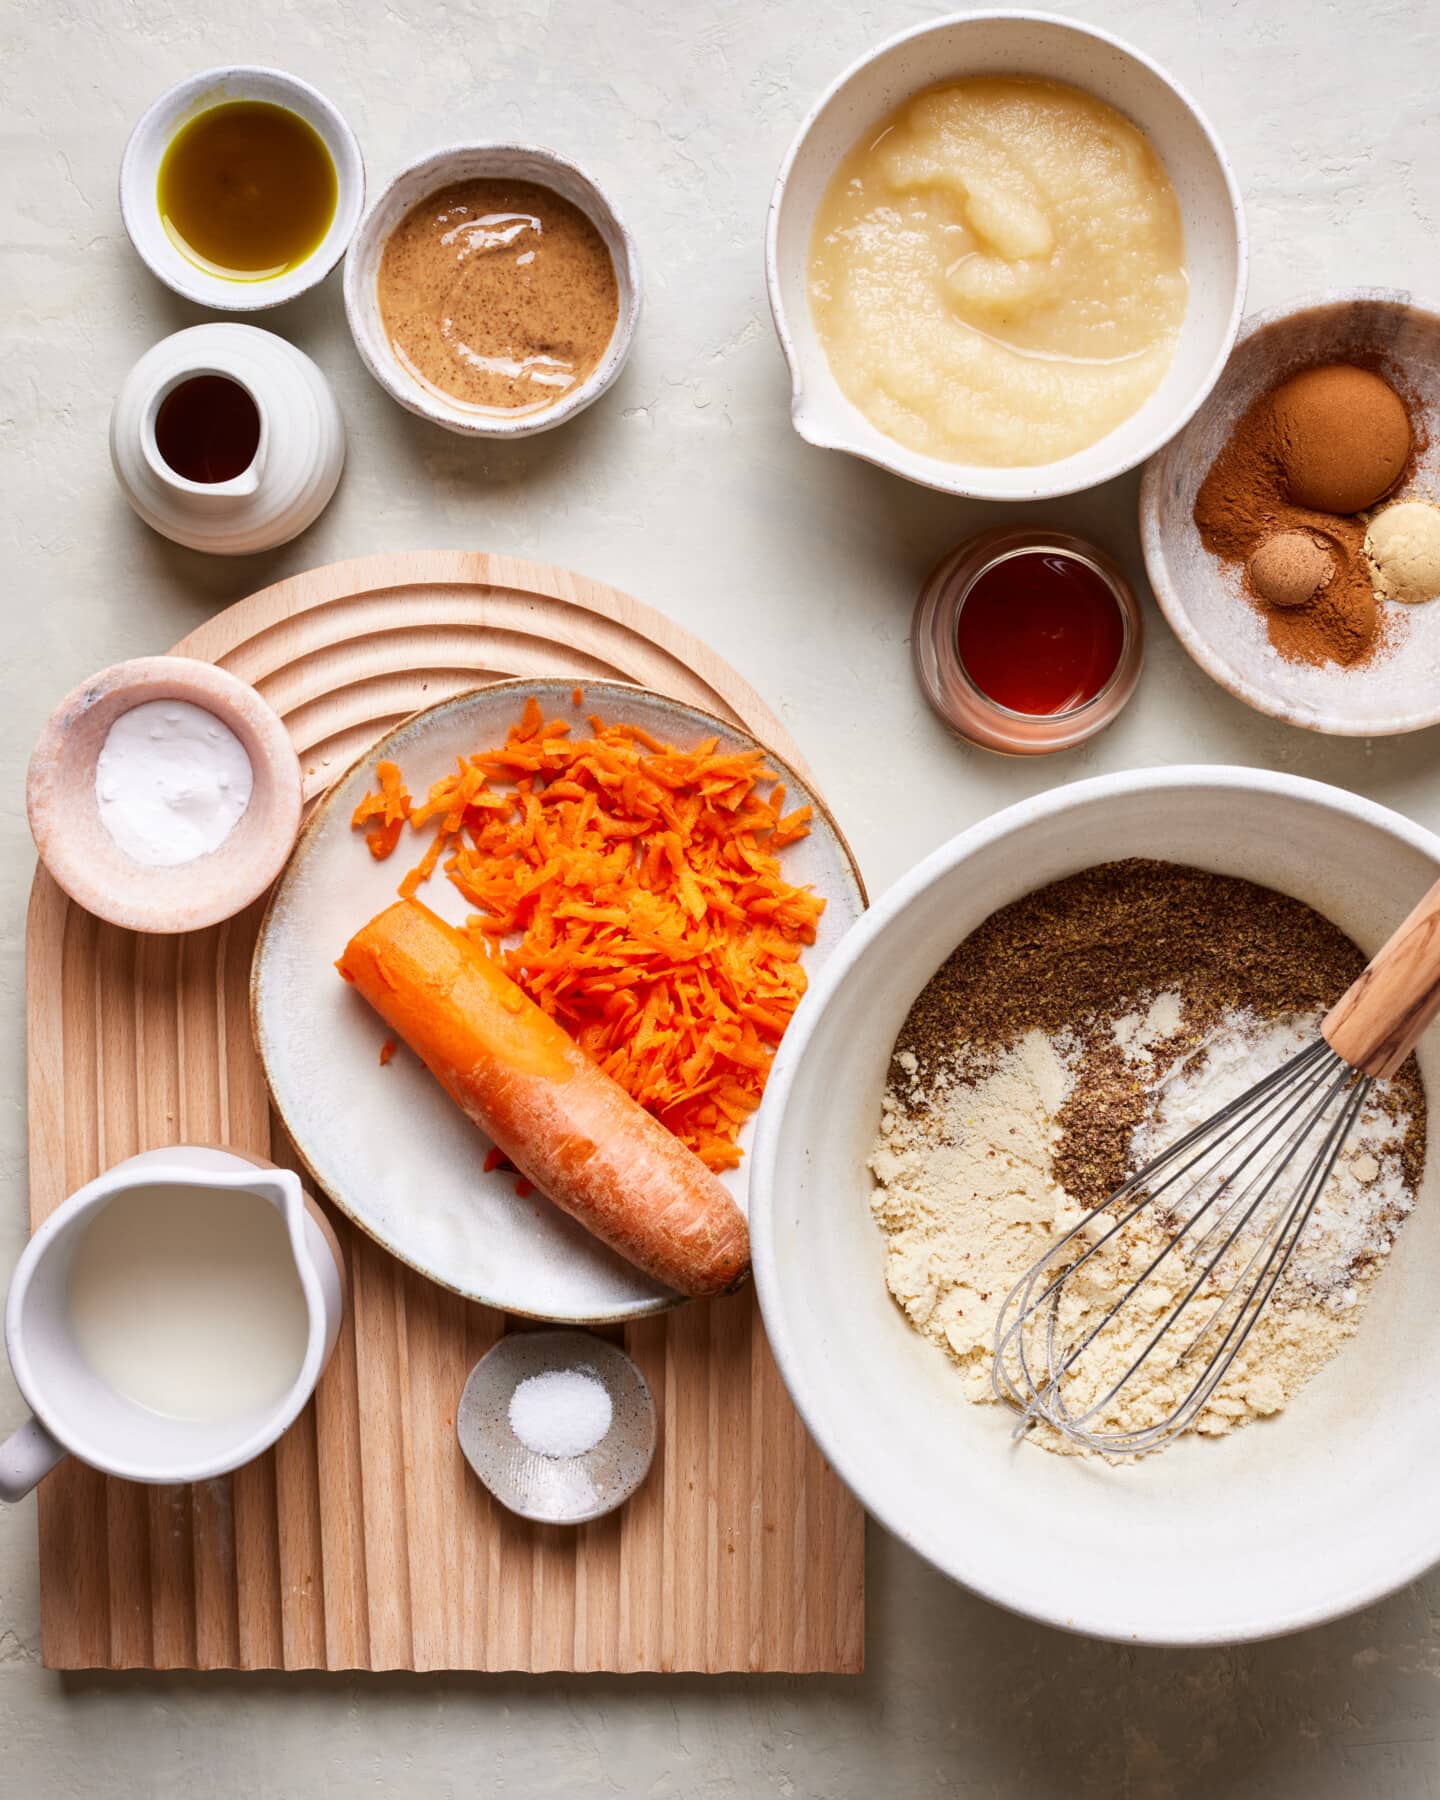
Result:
[[686, 487]]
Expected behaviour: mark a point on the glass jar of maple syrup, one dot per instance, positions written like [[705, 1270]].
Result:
[[1027, 641]]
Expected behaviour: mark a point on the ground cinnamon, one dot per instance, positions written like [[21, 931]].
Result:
[[1243, 500]]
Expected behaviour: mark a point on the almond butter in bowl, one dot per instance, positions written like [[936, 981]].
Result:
[[499, 294], [493, 290]]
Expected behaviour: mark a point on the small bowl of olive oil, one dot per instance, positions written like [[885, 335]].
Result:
[[241, 188]]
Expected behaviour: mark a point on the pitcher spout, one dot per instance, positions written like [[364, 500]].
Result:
[[193, 479]]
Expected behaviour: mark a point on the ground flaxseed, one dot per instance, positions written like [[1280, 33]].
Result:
[[1075, 955]]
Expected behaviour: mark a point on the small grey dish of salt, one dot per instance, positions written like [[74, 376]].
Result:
[[560, 1426]]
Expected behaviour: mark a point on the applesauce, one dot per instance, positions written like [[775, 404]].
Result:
[[997, 271]]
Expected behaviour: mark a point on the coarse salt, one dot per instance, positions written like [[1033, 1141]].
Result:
[[562, 1413]]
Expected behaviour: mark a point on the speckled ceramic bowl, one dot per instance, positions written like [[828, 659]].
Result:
[[1398, 690], [468, 162], [565, 1490], [80, 853], [1011, 43]]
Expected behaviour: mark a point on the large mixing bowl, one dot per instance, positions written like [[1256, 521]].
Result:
[[1281, 1525]]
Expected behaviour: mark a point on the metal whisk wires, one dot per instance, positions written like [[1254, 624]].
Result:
[[1165, 1281]]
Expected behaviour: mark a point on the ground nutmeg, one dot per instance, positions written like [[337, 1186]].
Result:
[[1305, 455]]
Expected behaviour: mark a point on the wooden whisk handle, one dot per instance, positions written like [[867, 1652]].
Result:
[[1378, 1021]]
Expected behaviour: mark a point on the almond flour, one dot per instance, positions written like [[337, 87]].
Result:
[[1026, 1084]]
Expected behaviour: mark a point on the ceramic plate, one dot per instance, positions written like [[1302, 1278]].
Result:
[[386, 1144]]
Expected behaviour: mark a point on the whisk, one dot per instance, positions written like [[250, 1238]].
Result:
[[1170, 1275]]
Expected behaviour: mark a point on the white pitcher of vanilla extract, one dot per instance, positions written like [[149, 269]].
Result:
[[168, 1322], [227, 438]]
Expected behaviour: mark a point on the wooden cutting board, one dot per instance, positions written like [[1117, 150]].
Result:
[[363, 1540]]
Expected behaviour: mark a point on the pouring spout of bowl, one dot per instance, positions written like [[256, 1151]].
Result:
[[807, 423], [813, 424]]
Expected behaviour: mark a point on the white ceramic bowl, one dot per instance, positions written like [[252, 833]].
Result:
[[471, 162], [1201, 597], [1286, 1523], [1011, 43], [140, 172]]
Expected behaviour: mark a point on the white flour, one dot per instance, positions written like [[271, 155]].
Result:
[[967, 1198], [1356, 1215]]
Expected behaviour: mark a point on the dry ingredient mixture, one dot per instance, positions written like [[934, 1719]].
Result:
[[1024, 1087], [499, 294], [1282, 498]]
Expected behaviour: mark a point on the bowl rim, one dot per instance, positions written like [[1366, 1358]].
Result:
[[408, 393], [195, 283], [969, 480], [973, 1571], [1157, 569]]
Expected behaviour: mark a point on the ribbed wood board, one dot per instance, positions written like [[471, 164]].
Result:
[[363, 1541]]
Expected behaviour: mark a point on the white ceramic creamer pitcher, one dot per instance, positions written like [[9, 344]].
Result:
[[299, 452], [76, 1411]]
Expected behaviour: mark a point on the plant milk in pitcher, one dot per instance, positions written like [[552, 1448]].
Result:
[[186, 1300]]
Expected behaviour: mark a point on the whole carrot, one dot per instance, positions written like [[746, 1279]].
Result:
[[559, 1118]]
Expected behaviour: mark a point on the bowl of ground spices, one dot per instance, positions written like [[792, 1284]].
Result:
[[969, 1073], [1291, 533]]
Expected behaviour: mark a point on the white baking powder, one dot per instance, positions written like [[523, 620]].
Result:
[[564, 1412], [171, 782], [1366, 1197]]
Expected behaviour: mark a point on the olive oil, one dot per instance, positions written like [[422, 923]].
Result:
[[247, 190]]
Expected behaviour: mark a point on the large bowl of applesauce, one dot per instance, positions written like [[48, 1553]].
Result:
[[1006, 258]]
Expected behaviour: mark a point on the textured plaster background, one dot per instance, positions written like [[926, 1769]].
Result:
[[686, 487]]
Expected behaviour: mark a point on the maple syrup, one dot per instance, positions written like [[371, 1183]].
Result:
[[208, 429]]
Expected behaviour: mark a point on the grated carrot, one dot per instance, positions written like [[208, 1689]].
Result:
[[635, 892], [387, 1050], [390, 806]]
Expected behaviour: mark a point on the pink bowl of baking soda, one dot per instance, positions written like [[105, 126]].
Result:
[[164, 794]]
